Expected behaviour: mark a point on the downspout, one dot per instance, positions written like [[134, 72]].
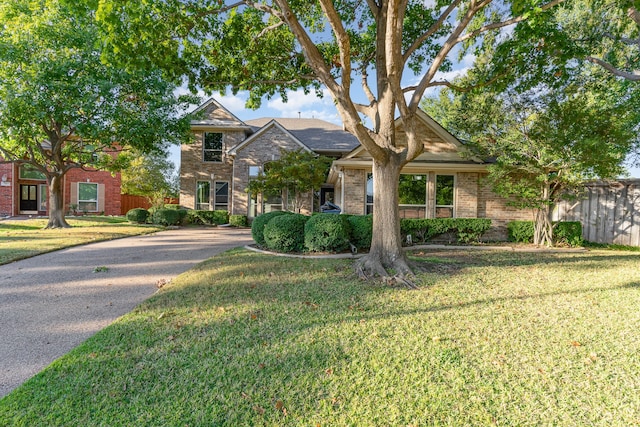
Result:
[[341, 175]]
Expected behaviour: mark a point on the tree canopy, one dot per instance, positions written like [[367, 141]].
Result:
[[62, 107], [376, 59]]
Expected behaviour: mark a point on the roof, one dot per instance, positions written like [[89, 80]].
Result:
[[318, 135], [263, 129], [214, 115]]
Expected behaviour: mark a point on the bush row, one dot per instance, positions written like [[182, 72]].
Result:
[[286, 232], [467, 230], [564, 232], [172, 215]]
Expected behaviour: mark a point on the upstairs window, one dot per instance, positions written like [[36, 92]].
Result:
[[212, 147], [30, 172]]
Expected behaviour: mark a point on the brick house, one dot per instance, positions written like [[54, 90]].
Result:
[[228, 152], [24, 191]]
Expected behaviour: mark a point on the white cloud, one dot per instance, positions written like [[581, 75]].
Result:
[[304, 105]]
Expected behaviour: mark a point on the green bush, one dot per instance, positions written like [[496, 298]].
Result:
[[564, 232], [569, 233], [138, 215], [257, 226], [285, 233], [238, 220], [361, 230], [182, 213], [166, 217], [327, 233], [172, 206], [466, 229], [520, 231], [199, 217]]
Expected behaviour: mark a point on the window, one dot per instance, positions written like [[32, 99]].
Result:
[[444, 196], [412, 191], [212, 147], [413, 196], [203, 192], [369, 195], [30, 172], [221, 199], [42, 199], [254, 171], [88, 197]]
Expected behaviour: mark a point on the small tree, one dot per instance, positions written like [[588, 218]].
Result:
[[546, 142], [149, 175], [294, 175]]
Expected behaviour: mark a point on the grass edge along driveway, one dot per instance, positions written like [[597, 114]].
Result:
[[24, 238], [250, 339]]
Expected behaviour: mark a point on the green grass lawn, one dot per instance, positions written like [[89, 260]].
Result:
[[245, 339], [21, 239]]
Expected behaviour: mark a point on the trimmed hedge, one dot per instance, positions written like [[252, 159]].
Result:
[[422, 230], [207, 217], [327, 233], [166, 217], [285, 233], [564, 232], [361, 230], [257, 226], [138, 215], [238, 221]]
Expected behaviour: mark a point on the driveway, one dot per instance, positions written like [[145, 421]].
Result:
[[51, 303]]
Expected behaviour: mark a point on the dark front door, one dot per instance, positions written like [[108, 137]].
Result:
[[28, 197]]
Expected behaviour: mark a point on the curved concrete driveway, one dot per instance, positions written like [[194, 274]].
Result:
[[51, 303]]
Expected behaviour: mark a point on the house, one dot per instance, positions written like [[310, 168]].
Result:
[[228, 152], [24, 191]]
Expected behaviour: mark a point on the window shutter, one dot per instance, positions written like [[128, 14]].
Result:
[[101, 206], [74, 193]]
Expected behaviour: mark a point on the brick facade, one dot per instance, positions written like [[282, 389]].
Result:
[[108, 190]]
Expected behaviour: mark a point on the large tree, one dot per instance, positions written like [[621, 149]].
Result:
[[62, 107], [150, 175], [376, 58], [546, 141]]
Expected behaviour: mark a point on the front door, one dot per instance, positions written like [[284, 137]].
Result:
[[28, 197]]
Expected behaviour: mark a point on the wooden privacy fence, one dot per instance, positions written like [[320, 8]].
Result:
[[609, 212], [128, 202]]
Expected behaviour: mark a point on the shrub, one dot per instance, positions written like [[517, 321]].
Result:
[[361, 230], [172, 206], [520, 231], [466, 229], [238, 220], [327, 232], [138, 215], [207, 217], [257, 226], [166, 217], [569, 233], [182, 214], [285, 233], [564, 232]]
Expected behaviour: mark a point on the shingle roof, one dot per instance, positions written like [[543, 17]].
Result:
[[318, 135]]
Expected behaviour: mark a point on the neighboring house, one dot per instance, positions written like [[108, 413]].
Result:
[[24, 191], [228, 152]]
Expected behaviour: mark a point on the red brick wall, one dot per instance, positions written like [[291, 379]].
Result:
[[111, 188], [6, 191]]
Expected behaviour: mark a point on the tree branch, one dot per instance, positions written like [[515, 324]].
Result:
[[435, 27], [344, 44], [633, 76]]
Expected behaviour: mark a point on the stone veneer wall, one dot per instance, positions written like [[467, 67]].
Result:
[[263, 149], [193, 169]]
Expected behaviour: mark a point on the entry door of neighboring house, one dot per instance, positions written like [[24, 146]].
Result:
[[28, 197]]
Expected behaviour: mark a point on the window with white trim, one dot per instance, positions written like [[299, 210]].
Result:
[[30, 172], [212, 147], [88, 197], [369, 194], [203, 194], [445, 187], [412, 192]]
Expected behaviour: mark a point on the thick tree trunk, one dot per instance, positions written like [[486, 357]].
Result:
[[56, 204], [386, 253]]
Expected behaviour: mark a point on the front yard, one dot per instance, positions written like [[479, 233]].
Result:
[[25, 238], [491, 338]]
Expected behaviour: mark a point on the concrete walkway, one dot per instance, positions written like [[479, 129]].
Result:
[[51, 303]]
